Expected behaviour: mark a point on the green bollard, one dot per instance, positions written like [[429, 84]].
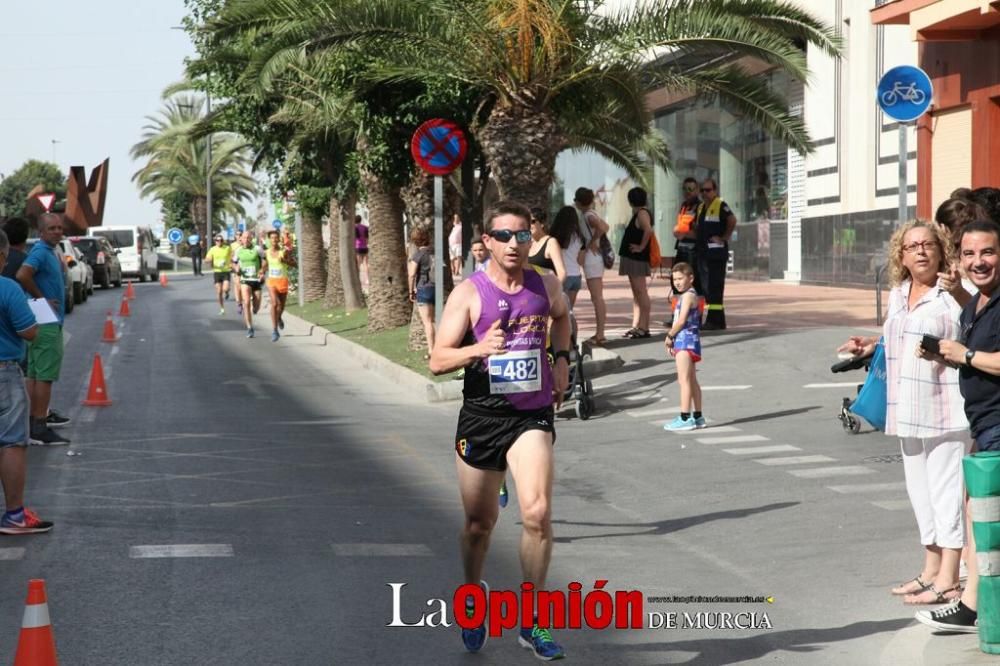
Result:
[[982, 480]]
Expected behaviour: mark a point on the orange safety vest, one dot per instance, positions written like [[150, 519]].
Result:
[[685, 218]]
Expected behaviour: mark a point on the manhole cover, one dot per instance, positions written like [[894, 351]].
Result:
[[894, 458]]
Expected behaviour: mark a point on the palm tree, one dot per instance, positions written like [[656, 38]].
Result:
[[177, 162], [557, 74]]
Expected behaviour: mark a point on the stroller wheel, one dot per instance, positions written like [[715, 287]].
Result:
[[851, 423], [584, 408], [588, 387]]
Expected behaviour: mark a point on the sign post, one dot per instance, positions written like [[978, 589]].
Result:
[[904, 94], [175, 236], [438, 147], [298, 253]]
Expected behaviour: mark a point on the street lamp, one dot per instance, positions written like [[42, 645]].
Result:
[[54, 142], [208, 169]]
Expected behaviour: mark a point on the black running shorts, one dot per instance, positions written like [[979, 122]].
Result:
[[253, 284], [483, 437], [221, 277]]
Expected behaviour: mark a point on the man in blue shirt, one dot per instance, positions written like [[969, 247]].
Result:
[[41, 275], [16, 325]]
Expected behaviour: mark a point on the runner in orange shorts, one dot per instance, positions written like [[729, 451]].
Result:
[[278, 260]]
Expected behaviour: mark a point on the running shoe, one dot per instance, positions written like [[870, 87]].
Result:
[[275, 335], [475, 639], [503, 494], [540, 642], [680, 424], [47, 437], [27, 523], [281, 323], [250, 332], [56, 420], [957, 617], [700, 423], [222, 311]]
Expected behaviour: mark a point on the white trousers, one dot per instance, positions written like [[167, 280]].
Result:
[[936, 486]]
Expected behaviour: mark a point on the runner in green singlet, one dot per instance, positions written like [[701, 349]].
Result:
[[252, 266]]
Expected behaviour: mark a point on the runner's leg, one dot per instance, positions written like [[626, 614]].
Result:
[[478, 488], [247, 313], [531, 461], [273, 291]]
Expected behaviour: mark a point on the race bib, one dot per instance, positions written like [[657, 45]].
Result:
[[516, 372], [218, 262], [250, 272], [275, 272]]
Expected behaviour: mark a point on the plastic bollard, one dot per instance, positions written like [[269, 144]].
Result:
[[982, 480]]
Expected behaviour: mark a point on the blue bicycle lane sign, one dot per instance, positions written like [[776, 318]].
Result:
[[905, 93]]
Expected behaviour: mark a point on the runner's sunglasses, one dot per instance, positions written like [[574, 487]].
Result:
[[504, 235]]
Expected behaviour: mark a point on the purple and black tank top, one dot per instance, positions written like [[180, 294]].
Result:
[[520, 379]]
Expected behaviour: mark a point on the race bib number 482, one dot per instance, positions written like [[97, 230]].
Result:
[[516, 372]]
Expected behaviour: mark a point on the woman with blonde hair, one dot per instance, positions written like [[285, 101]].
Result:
[[924, 406]]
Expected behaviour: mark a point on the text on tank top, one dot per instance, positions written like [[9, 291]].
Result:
[[520, 379]]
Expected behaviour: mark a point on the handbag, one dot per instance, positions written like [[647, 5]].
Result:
[[871, 401], [607, 254]]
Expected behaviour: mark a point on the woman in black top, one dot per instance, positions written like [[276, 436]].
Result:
[[545, 250], [634, 261]]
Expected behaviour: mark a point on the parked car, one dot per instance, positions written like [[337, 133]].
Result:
[[138, 250], [67, 279], [80, 271], [102, 258]]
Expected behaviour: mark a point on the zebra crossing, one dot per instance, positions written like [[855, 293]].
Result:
[[788, 458]]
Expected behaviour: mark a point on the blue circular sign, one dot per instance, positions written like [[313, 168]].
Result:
[[276, 224], [175, 236], [905, 93]]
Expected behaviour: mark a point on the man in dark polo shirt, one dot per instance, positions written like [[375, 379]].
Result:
[[977, 356]]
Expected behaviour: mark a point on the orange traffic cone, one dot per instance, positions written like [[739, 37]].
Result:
[[97, 394], [124, 311], [130, 291], [36, 645], [163, 279], [109, 330]]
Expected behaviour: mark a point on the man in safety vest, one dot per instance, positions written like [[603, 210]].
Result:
[[714, 226]]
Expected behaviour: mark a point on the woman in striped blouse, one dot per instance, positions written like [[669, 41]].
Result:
[[924, 406]]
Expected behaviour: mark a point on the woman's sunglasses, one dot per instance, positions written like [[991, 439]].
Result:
[[504, 235]]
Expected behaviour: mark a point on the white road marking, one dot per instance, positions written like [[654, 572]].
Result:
[[855, 488], [795, 460], [7, 554], [733, 439], [832, 385], [820, 472], [654, 412], [755, 450], [382, 550], [893, 505], [318, 422], [182, 550], [734, 387], [712, 428]]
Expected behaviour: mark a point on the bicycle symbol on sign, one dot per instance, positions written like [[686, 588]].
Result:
[[903, 93]]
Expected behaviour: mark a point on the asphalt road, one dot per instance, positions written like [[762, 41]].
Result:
[[244, 502]]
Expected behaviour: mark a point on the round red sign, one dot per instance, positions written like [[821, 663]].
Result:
[[438, 146]]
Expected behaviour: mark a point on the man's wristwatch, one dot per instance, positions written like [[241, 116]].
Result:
[[969, 353], [562, 353]]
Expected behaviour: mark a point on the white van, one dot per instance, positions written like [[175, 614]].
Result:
[[138, 250]]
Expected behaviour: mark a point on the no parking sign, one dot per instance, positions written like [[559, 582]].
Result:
[[438, 146]]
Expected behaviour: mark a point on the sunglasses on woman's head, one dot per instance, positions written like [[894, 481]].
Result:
[[504, 235]]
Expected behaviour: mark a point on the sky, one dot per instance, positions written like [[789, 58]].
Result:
[[85, 74]]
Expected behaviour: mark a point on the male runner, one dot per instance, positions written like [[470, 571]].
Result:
[[219, 256], [234, 278], [494, 325], [278, 260], [252, 265]]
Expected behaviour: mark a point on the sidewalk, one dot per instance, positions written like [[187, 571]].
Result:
[[749, 306]]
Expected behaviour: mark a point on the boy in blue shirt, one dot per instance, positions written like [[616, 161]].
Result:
[[17, 324]]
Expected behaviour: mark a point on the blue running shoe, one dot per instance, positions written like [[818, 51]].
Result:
[[680, 425], [503, 494], [275, 335], [250, 332], [700, 423], [540, 642], [475, 639]]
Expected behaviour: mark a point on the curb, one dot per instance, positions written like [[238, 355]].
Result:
[[601, 361]]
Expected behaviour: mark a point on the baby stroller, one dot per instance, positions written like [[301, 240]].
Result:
[[850, 422], [579, 387]]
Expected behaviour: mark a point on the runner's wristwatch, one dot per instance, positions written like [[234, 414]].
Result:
[[969, 353], [562, 353]]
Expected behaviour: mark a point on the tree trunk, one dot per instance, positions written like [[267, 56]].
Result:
[[312, 270], [334, 297], [388, 298], [350, 278], [198, 213], [521, 146]]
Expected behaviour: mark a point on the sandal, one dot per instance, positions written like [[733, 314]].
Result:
[[640, 334], [905, 588], [595, 341], [941, 597], [630, 333]]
